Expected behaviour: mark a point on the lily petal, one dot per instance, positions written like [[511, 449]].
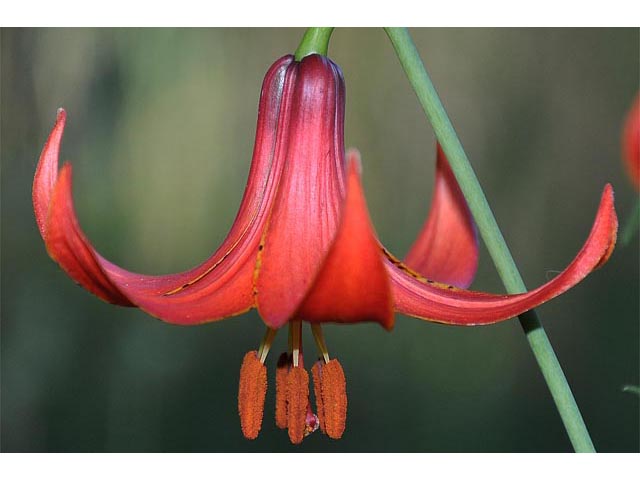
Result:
[[416, 297], [446, 249], [343, 290], [306, 212], [219, 287]]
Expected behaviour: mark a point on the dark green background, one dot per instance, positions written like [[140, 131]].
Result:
[[160, 132]]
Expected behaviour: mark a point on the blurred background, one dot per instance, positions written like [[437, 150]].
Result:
[[160, 131]]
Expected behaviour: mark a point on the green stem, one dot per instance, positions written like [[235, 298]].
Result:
[[315, 40], [491, 235], [631, 226]]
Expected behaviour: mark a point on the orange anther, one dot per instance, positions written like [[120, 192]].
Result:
[[297, 402], [317, 391], [282, 369], [251, 394], [330, 389]]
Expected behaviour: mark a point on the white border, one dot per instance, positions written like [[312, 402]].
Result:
[[316, 466], [320, 12]]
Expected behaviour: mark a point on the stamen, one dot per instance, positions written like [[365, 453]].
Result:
[[282, 370], [265, 344], [331, 397], [297, 403], [251, 394], [316, 329], [293, 409]]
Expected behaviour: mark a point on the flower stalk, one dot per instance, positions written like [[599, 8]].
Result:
[[315, 40], [492, 236]]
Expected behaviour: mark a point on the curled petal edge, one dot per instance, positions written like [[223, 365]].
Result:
[[418, 297]]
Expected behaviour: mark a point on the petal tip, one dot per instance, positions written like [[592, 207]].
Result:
[[607, 204], [608, 191], [46, 173], [354, 161], [389, 323]]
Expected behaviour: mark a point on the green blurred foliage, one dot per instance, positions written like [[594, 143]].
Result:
[[160, 132]]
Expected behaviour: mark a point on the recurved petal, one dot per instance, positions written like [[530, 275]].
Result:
[[352, 284], [220, 286], [417, 297], [446, 249]]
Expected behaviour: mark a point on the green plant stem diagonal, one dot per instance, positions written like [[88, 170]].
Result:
[[492, 237]]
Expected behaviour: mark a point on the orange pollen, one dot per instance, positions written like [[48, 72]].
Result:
[[251, 394], [330, 388], [317, 391], [297, 403], [282, 369]]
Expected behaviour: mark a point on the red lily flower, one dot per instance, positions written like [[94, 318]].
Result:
[[302, 247], [631, 142]]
